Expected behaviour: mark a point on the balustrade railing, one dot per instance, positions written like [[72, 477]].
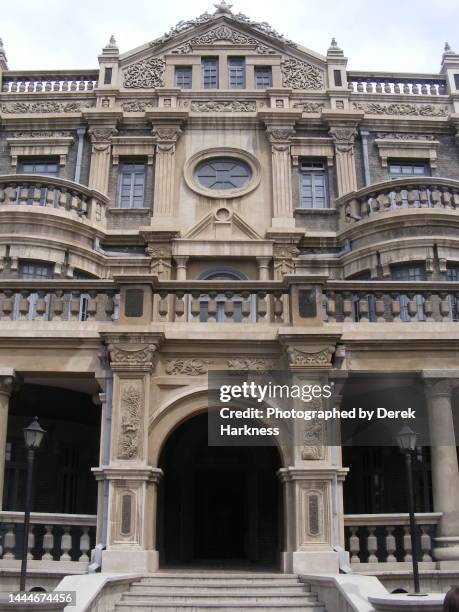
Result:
[[52, 193], [52, 537], [55, 300], [383, 539], [31, 82], [399, 194], [374, 83], [390, 302], [222, 302]]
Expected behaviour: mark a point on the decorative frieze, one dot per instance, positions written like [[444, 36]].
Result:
[[224, 106], [297, 74], [46, 106], [309, 107], [145, 74], [131, 408], [255, 364], [138, 106], [187, 367], [423, 110], [403, 136]]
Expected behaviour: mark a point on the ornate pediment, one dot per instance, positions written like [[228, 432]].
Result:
[[222, 224], [222, 34]]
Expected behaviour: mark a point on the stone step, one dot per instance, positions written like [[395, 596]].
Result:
[[187, 579], [222, 598], [211, 607], [218, 588]]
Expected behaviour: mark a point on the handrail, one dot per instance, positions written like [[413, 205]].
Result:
[[45, 180], [46, 518], [423, 518]]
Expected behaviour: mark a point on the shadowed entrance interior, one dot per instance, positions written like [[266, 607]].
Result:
[[217, 504]]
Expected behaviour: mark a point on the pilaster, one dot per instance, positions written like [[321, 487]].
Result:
[[7, 380], [102, 127], [132, 482]]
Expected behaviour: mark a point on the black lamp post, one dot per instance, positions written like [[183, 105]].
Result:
[[33, 435], [406, 439]]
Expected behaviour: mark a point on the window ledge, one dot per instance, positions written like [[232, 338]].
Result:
[[315, 211], [120, 211]]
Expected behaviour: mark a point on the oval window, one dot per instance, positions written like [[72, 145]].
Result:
[[223, 173]]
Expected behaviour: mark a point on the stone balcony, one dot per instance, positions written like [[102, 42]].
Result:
[[37, 194], [421, 194]]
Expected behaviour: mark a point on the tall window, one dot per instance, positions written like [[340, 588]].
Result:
[[236, 72], [313, 184], [183, 77], [132, 185], [209, 67], [263, 77]]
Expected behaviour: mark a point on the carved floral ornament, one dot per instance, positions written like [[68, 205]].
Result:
[[423, 110], [254, 364], [343, 138], [303, 358], [187, 367], [145, 74], [46, 106], [131, 409], [298, 74], [224, 106], [226, 34]]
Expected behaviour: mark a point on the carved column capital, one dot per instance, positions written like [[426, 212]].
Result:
[[280, 137], [7, 384], [440, 387], [101, 137], [306, 357], [343, 138], [166, 137], [136, 356]]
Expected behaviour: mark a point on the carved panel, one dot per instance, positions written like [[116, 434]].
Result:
[[424, 110], [138, 106], [254, 364], [46, 106], [126, 514], [301, 75], [145, 74], [223, 106], [131, 357], [188, 367], [303, 358], [226, 34], [314, 514], [131, 411]]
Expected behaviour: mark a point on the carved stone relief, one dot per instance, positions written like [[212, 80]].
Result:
[[145, 74], [125, 357], [222, 106], [226, 34], [424, 110], [254, 364], [131, 410], [187, 367], [309, 107], [138, 106], [343, 138], [301, 75], [47, 106], [302, 358]]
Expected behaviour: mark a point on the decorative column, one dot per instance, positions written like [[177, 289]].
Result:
[[280, 139], [313, 480], [6, 387], [263, 268], [166, 138], [181, 262], [132, 482], [445, 474], [100, 157], [343, 138]]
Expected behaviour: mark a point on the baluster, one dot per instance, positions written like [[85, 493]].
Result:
[[83, 206], [40, 307], [92, 305], [395, 306], [195, 309], [30, 541], [347, 307], [455, 202], [163, 306], [9, 541], [38, 86], [62, 200], [363, 314], [48, 543], [391, 546], [109, 305], [36, 197], [278, 307], [7, 305], [398, 197], [412, 306], [382, 200], [406, 88], [359, 87], [180, 305], [3, 195], [428, 306], [416, 89], [57, 305], [212, 307], [50, 196], [423, 197], [424, 89], [445, 306], [354, 545], [426, 543], [91, 85], [22, 87], [56, 86], [65, 86], [397, 88], [23, 194], [372, 545], [370, 88], [262, 306], [48, 86], [66, 544], [81, 86], [411, 197], [407, 544], [387, 88], [441, 89], [435, 197], [433, 89], [73, 86], [379, 87], [229, 306], [14, 87], [380, 307], [446, 197], [74, 305], [24, 304], [84, 545], [330, 304], [246, 306], [12, 195]]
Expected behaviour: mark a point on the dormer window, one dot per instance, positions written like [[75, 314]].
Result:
[[209, 67], [236, 72], [263, 77]]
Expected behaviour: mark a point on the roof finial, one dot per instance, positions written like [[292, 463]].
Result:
[[3, 61], [223, 8], [334, 50], [333, 42], [112, 43], [447, 47]]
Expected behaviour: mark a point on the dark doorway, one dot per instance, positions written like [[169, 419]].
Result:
[[218, 505]]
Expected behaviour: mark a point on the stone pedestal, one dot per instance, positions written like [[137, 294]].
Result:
[[445, 474]]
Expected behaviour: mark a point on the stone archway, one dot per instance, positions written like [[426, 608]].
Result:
[[217, 505]]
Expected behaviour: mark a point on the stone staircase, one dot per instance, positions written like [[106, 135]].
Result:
[[222, 591]]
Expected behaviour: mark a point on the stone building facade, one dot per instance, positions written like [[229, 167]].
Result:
[[222, 198]]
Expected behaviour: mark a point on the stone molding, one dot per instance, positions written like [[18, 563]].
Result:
[[40, 144], [409, 146]]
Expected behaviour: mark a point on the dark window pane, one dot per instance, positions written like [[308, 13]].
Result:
[[263, 77], [209, 68], [223, 173], [183, 77]]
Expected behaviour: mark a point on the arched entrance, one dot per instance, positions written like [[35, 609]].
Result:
[[217, 505]]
